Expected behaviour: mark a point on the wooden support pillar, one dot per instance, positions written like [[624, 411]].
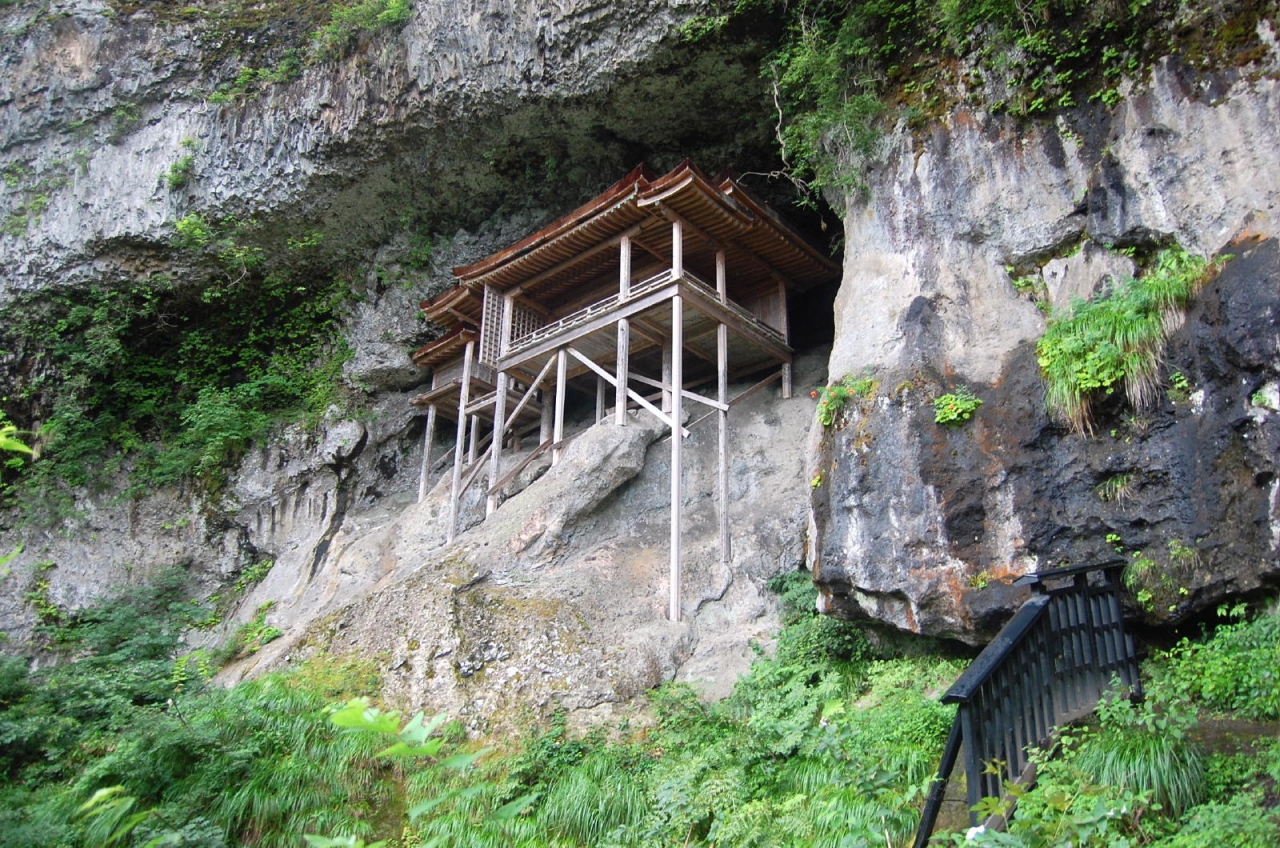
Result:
[[464, 397], [722, 395], [495, 446], [624, 269], [624, 370], [428, 436], [786, 335], [722, 469], [624, 334], [508, 316], [473, 439], [677, 248], [666, 375], [557, 434], [600, 399], [677, 439], [547, 421]]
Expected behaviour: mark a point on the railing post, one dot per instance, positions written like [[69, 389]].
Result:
[[938, 788]]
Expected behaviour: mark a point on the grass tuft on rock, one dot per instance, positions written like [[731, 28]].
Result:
[[1117, 339]]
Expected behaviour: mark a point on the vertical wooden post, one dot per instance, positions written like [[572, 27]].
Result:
[[722, 395], [427, 438], [600, 398], [508, 315], [495, 446], [666, 375], [624, 269], [671, 351], [473, 439], [557, 435], [972, 760], [722, 470], [464, 397], [677, 249], [624, 334], [677, 380], [547, 421], [786, 335], [624, 370]]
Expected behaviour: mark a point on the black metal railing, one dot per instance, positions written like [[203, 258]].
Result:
[[1049, 665]]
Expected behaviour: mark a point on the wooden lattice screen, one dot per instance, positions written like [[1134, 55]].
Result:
[[491, 327], [523, 321]]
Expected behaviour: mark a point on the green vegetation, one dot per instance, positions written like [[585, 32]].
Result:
[[1117, 339], [181, 171], [1235, 671], [841, 70], [823, 740], [348, 21], [1117, 488], [332, 39], [832, 399], [1135, 776], [828, 742], [34, 190], [955, 408], [169, 382]]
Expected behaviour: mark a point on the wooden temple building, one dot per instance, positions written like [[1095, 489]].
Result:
[[659, 286]]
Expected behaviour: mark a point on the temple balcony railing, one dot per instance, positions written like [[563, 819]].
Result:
[[646, 295]]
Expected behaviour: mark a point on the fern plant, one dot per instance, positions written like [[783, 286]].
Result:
[[1117, 340]]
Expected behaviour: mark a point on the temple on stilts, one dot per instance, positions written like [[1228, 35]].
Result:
[[652, 297]]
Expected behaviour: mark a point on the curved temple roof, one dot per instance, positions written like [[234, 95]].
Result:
[[761, 249]]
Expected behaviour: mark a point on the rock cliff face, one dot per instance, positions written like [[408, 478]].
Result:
[[485, 120], [926, 526], [452, 116]]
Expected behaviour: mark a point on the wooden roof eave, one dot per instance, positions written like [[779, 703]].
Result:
[[455, 305], [673, 191], [444, 348], [767, 218], [618, 192]]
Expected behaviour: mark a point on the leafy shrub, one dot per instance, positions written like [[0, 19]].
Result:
[[180, 172], [167, 382], [347, 21], [1117, 339], [955, 408], [1144, 750], [1103, 783], [1240, 822], [1234, 670], [833, 398]]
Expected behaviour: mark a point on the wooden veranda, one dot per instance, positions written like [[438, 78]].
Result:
[[654, 288]]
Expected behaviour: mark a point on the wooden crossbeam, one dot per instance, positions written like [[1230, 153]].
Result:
[[524, 463], [649, 381], [772, 378], [528, 395], [631, 393], [720, 312], [472, 472]]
